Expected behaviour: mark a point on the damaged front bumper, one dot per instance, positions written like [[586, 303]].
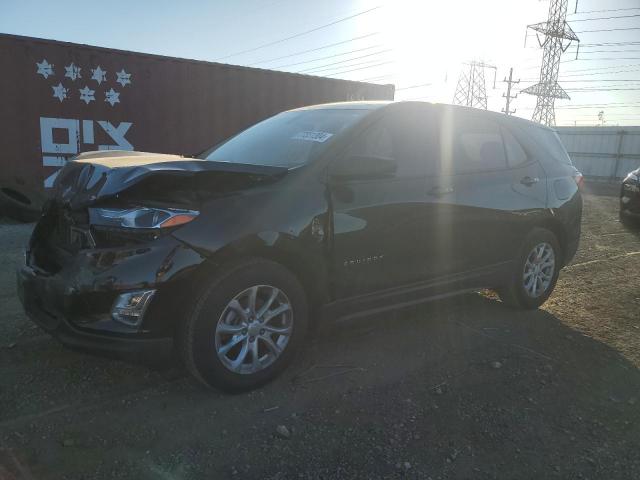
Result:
[[76, 303]]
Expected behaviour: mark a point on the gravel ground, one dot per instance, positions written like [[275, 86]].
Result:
[[463, 388]]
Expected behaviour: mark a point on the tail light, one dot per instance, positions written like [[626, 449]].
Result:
[[579, 179]]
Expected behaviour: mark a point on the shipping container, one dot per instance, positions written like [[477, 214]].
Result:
[[58, 99]]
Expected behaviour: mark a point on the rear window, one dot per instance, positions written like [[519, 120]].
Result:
[[552, 144], [288, 139]]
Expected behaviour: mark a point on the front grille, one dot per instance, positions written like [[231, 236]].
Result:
[[71, 230], [57, 237]]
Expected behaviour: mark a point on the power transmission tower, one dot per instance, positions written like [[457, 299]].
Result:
[[555, 31], [471, 91], [508, 95]]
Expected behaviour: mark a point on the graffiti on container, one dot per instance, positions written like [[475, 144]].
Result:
[[57, 153], [73, 72], [87, 95], [98, 75], [63, 138], [44, 68], [112, 97]]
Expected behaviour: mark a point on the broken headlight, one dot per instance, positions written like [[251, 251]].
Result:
[[140, 217]]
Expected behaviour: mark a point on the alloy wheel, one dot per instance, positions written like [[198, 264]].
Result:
[[539, 269], [254, 329]]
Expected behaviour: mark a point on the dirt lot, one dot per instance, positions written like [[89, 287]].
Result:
[[458, 389]]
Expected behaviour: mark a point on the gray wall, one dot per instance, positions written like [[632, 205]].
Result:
[[602, 152]]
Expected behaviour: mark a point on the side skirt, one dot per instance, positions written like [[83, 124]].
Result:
[[416, 293]]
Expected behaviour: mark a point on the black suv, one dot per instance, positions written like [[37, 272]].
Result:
[[630, 197], [331, 210]]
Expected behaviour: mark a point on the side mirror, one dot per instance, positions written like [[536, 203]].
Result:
[[362, 167]]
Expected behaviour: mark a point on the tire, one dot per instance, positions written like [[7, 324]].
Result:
[[627, 220], [22, 206], [515, 293], [217, 321]]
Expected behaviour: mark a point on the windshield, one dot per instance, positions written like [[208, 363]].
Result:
[[288, 139]]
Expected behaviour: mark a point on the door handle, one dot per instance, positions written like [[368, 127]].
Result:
[[529, 181], [439, 191]]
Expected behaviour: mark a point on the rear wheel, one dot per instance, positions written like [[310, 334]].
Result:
[[245, 327], [627, 220], [535, 272]]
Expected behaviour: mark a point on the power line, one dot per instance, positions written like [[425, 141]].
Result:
[[592, 69], [611, 51], [326, 25], [601, 106], [609, 30], [604, 18], [599, 73], [599, 44], [329, 65], [594, 80], [608, 10], [615, 114], [361, 68], [605, 44], [608, 59], [580, 105], [354, 39], [366, 65], [348, 65], [606, 49], [324, 58], [374, 79], [602, 89], [415, 86]]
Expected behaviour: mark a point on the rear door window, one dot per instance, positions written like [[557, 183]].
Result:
[[516, 156], [472, 144]]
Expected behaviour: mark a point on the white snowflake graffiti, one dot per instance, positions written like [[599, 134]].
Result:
[[98, 75], [45, 68], [87, 95], [73, 72], [112, 97], [124, 78], [59, 92]]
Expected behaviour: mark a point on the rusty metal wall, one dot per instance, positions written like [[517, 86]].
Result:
[[58, 99]]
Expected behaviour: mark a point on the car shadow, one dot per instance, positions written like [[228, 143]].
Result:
[[461, 388]]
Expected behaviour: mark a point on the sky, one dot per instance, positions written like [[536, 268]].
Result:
[[420, 46]]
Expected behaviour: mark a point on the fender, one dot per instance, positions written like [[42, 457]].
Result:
[[286, 225]]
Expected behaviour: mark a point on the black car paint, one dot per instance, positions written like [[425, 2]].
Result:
[[355, 246], [630, 195]]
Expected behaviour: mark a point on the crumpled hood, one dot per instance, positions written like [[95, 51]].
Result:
[[93, 176]]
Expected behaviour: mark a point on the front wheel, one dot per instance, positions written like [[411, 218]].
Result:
[[535, 272], [245, 327]]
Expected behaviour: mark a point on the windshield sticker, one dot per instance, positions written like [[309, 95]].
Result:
[[310, 136]]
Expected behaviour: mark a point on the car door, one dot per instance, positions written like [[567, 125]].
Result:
[[381, 225], [497, 190]]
